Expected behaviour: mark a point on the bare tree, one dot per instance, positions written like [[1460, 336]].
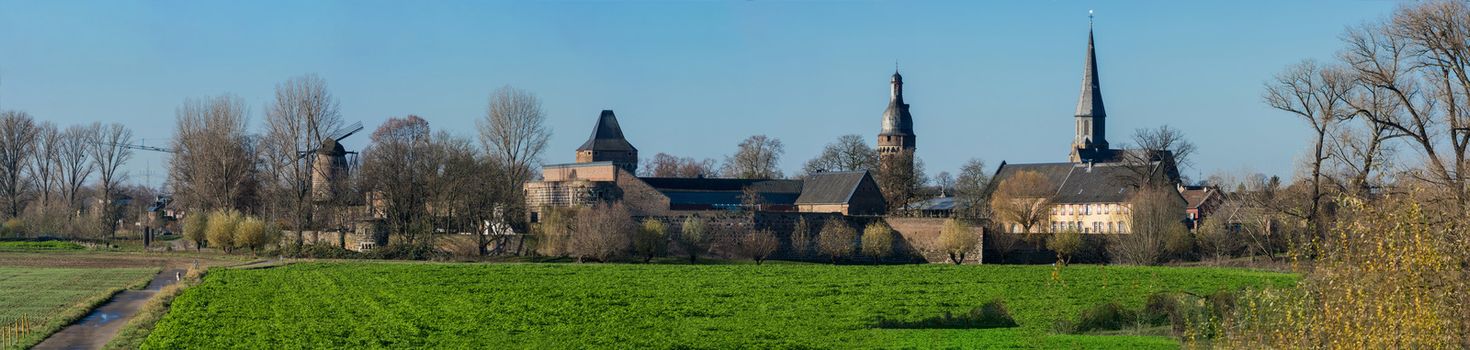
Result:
[[76, 165], [945, 183], [1023, 201], [759, 157], [694, 237], [109, 156], [514, 131], [1156, 157], [1318, 95], [44, 165], [958, 240], [666, 165], [971, 199], [397, 169], [836, 240], [801, 237], [900, 183], [214, 160], [17, 141], [1155, 213], [603, 232], [848, 153], [298, 123], [758, 244]]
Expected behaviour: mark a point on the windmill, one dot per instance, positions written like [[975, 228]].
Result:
[[330, 165]]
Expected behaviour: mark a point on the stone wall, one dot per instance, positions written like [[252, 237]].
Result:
[[923, 235], [919, 243]]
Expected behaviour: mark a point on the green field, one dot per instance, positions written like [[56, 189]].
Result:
[[38, 246], [396, 305], [52, 297]]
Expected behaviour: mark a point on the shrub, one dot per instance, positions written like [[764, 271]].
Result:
[[603, 232], [1108, 316], [1066, 243], [251, 233], [992, 314], [957, 240], [220, 229], [877, 240], [195, 227], [836, 239], [758, 245], [554, 231], [801, 238], [1153, 218], [652, 239], [13, 228], [694, 237], [1215, 241]]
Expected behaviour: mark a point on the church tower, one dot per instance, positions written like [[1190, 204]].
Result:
[[608, 145], [897, 136], [1091, 142]]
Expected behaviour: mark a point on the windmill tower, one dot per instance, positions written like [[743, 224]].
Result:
[[330, 165]]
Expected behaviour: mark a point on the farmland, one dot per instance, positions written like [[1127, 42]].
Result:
[[49, 298], [376, 305]]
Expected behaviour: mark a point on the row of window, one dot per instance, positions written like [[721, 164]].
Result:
[[1095, 227], [1088, 209]]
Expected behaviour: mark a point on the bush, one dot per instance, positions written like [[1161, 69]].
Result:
[[758, 245], [957, 240], [220, 229], [1066, 243], [1109, 316], [317, 250], [877, 240], [694, 237], [419, 250], [992, 314], [652, 239], [195, 227], [836, 239], [554, 231], [251, 233], [12, 228], [602, 233]]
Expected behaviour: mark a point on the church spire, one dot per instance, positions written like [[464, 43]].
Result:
[[1090, 103], [896, 119]]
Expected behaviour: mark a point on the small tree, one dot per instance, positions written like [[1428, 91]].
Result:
[[1155, 213], [957, 239], [758, 245], [554, 231], [878, 240], [652, 239], [221, 229], [694, 237], [1066, 243], [603, 232], [251, 233], [195, 226], [836, 239], [1215, 240], [801, 238]]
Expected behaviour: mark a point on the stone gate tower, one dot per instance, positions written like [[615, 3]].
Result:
[[608, 145], [897, 136]]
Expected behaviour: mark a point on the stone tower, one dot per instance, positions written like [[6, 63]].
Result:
[[897, 136], [608, 145], [1091, 142]]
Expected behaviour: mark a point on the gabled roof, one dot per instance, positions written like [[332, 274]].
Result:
[[607, 135], [1195, 196], [831, 187], [1078, 182]]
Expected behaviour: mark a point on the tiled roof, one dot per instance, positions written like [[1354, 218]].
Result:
[[830, 187], [1078, 182]]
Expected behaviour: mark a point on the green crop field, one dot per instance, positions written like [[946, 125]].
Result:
[[38, 246], [397, 305], [49, 298]]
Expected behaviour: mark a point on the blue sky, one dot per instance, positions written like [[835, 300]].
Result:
[[989, 80]]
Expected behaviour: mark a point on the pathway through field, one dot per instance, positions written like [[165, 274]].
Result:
[[99, 326]]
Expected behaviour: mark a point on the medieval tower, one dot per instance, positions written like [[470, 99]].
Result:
[[897, 137], [608, 145], [1091, 142]]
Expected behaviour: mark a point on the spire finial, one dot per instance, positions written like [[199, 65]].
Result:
[[895, 66], [1089, 19]]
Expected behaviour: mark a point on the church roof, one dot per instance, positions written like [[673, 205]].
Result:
[[1090, 103], [607, 135], [1078, 183], [896, 119]]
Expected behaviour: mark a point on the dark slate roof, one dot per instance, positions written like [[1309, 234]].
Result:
[[896, 119], [1078, 182], [721, 184], [830, 187], [607, 135], [941, 203], [1090, 103]]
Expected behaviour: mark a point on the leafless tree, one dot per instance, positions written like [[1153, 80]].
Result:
[[666, 165], [1156, 156], [17, 142], [514, 131], [76, 164], [1155, 213], [214, 164], [837, 240], [758, 245], [958, 239], [899, 182], [396, 170], [801, 237], [44, 166], [848, 153], [1023, 201], [1318, 95], [971, 198], [759, 157], [297, 123], [109, 156], [945, 183], [603, 232]]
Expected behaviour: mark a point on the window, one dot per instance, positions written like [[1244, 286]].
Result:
[[1122, 227], [1112, 227], [1096, 226]]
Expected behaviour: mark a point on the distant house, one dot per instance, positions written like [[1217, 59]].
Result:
[[1089, 197], [1200, 202]]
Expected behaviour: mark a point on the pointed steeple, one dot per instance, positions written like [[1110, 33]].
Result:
[[607, 135], [1090, 103], [896, 119]]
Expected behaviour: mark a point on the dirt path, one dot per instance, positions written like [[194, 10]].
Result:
[[99, 326]]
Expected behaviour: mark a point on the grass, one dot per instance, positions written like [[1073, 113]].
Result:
[[38, 246], [54, 297], [415, 305]]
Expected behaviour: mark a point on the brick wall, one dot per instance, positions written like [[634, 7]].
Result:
[[922, 234]]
